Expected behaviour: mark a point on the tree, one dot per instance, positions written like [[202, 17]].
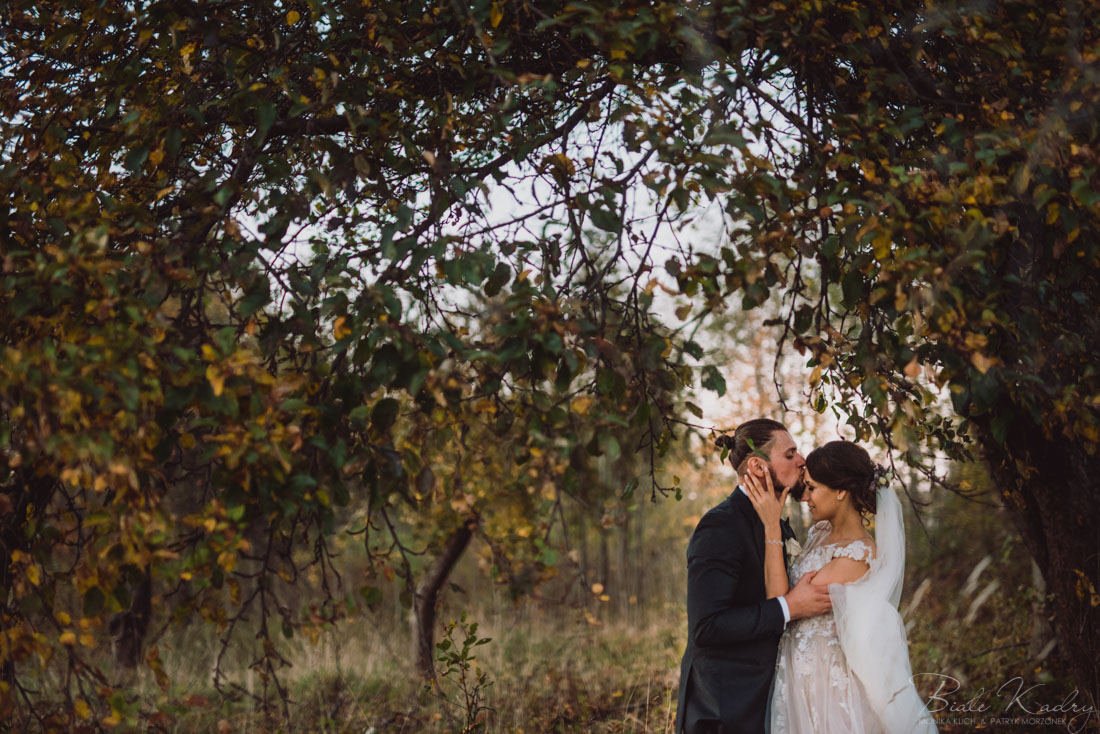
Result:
[[938, 218], [243, 248], [245, 245]]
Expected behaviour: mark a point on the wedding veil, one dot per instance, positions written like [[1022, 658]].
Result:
[[870, 629]]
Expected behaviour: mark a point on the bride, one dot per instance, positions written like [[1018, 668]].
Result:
[[846, 671]]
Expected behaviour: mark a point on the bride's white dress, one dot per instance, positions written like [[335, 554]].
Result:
[[847, 671], [815, 690]]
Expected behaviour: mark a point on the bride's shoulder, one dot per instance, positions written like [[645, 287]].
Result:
[[863, 549]]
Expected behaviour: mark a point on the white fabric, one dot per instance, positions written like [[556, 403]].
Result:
[[786, 611], [847, 671], [880, 660]]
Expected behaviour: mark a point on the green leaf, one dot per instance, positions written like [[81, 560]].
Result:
[[713, 380], [265, 116], [498, 279], [606, 219], [384, 414], [136, 158], [609, 444]]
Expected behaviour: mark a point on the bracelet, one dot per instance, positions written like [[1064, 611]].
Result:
[[774, 542]]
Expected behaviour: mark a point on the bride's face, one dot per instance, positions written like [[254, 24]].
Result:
[[820, 499]]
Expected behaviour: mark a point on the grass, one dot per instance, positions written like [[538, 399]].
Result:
[[585, 665], [548, 672]]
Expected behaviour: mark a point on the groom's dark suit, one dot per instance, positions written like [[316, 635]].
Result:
[[733, 631]]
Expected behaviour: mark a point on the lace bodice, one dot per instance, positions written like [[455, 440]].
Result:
[[817, 553], [814, 688]]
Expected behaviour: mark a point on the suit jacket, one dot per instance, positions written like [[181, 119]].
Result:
[[733, 631]]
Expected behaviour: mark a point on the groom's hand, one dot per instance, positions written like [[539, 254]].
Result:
[[806, 599]]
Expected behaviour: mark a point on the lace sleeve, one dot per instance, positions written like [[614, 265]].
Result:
[[857, 551], [817, 530]]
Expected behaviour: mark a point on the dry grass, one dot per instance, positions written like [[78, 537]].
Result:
[[548, 672], [589, 666]]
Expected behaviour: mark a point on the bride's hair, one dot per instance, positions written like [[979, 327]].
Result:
[[843, 465], [758, 431]]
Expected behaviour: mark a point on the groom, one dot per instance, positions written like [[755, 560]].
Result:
[[733, 630]]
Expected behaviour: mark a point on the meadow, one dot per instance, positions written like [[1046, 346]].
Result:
[[603, 656]]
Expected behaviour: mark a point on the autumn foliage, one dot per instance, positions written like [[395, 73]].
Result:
[[271, 272]]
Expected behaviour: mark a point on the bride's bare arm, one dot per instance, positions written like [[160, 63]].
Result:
[[841, 571], [769, 508]]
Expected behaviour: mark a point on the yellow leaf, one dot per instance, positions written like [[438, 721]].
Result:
[[1052, 212], [581, 405], [597, 588], [217, 381], [87, 639], [67, 638], [485, 406], [62, 618], [156, 157], [227, 560], [881, 245], [495, 14], [187, 440], [982, 363], [293, 17], [339, 330], [82, 709], [33, 575]]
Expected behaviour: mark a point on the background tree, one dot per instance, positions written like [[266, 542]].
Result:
[[243, 244]]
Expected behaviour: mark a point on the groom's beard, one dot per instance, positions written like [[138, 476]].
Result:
[[797, 489], [779, 487]]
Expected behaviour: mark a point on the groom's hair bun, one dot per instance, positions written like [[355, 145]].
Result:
[[756, 433], [843, 465]]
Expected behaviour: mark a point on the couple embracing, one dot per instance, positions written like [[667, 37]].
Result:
[[790, 640]]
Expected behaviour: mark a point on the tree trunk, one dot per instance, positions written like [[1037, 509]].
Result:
[[427, 596], [1040, 626], [641, 554], [604, 574], [1052, 490], [129, 627], [31, 494], [582, 538], [624, 570]]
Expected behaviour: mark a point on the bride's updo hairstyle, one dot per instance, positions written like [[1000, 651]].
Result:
[[758, 431], [843, 465]]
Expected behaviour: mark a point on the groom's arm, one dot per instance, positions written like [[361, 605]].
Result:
[[715, 560]]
